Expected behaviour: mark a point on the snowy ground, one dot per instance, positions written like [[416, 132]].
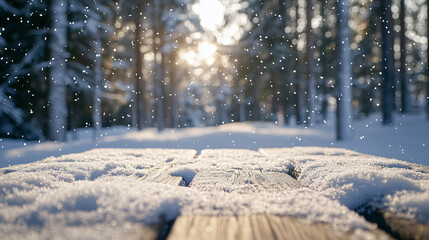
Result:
[[407, 139]]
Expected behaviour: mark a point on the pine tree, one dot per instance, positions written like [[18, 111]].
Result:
[[179, 24], [89, 31], [23, 68]]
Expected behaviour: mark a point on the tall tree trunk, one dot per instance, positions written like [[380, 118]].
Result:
[[166, 89], [41, 113], [96, 94], [344, 73], [74, 118], [139, 83], [173, 90], [324, 63], [427, 62], [299, 92], [57, 88], [311, 79], [404, 81], [387, 101], [286, 102], [394, 82], [284, 79], [158, 73]]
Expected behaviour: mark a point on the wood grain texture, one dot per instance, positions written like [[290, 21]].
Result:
[[257, 227], [161, 175], [241, 170], [243, 180]]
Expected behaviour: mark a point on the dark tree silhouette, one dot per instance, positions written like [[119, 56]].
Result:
[[386, 48], [140, 103], [404, 79], [158, 71], [310, 73]]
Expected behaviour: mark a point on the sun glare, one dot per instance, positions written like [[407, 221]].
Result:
[[211, 13], [206, 49], [205, 54]]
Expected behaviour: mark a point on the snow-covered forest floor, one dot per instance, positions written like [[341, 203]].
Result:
[[407, 139]]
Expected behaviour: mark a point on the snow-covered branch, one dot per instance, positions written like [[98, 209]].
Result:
[[5, 6], [8, 107], [31, 57]]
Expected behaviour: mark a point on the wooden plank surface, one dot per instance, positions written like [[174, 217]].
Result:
[[256, 227], [161, 175], [266, 179], [405, 228], [240, 170], [229, 170]]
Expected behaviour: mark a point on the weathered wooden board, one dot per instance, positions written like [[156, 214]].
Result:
[[161, 175], [150, 232], [255, 227], [266, 179], [229, 170], [236, 170]]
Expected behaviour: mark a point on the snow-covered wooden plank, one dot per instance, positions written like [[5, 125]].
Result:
[[265, 180], [124, 185], [161, 175], [379, 176], [234, 159], [152, 156], [6, 170], [419, 168], [240, 170], [97, 163], [262, 227]]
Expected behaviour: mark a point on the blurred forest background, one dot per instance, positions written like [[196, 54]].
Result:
[[68, 64]]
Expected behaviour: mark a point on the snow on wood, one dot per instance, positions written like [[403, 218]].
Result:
[[240, 170], [367, 182], [161, 175], [112, 193]]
